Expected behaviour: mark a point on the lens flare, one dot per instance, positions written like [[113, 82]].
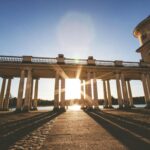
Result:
[[75, 107], [75, 33]]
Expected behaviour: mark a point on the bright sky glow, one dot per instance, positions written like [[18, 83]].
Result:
[[75, 33], [72, 88], [76, 28], [75, 107]]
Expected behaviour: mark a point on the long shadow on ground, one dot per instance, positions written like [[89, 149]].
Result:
[[11, 133], [135, 137]]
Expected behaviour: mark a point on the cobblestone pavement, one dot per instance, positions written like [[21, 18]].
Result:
[[75, 130], [72, 130], [35, 139]]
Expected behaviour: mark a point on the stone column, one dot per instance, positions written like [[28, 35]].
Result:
[[31, 100], [26, 106], [145, 88], [20, 92], [109, 94], [62, 103], [130, 93], [119, 91], [105, 95], [95, 91], [56, 92], [2, 93], [124, 91], [82, 93], [88, 91], [148, 83], [35, 94], [6, 99]]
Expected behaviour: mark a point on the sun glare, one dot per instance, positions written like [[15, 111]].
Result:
[[74, 107], [72, 89], [75, 33]]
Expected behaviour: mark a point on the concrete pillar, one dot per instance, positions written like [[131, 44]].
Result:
[[148, 83], [95, 91], [62, 103], [31, 100], [109, 94], [119, 91], [105, 95], [130, 93], [35, 94], [20, 92], [88, 91], [82, 93], [6, 99], [2, 93], [26, 106], [124, 91], [56, 92], [145, 88]]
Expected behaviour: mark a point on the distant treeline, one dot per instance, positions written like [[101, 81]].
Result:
[[136, 100]]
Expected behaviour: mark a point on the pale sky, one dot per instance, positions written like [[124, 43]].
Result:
[[76, 28]]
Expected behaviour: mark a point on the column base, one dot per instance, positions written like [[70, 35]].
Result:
[[56, 109], [120, 107], [18, 110], [105, 106], [89, 108], [25, 109], [5, 109], [34, 109], [96, 108], [127, 107], [147, 105], [62, 109], [132, 106], [110, 107]]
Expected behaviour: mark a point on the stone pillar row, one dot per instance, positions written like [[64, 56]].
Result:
[[88, 102], [4, 95], [82, 94], [123, 91], [59, 105], [85, 101], [125, 95], [145, 77], [27, 103]]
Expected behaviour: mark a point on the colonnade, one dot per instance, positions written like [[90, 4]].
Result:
[[146, 87], [27, 103], [4, 95], [123, 91], [86, 100]]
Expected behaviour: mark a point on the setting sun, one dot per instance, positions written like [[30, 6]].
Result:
[[72, 89], [75, 107]]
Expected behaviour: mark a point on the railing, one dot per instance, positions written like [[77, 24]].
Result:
[[43, 60], [75, 61], [67, 61], [130, 64], [104, 63], [11, 59]]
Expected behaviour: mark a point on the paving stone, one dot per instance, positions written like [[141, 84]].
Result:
[[77, 131]]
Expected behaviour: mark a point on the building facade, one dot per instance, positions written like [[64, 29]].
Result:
[[61, 68]]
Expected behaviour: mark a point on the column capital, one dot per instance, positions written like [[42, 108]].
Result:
[[28, 68], [22, 68], [4, 77], [7, 77], [36, 78], [127, 79], [118, 73]]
